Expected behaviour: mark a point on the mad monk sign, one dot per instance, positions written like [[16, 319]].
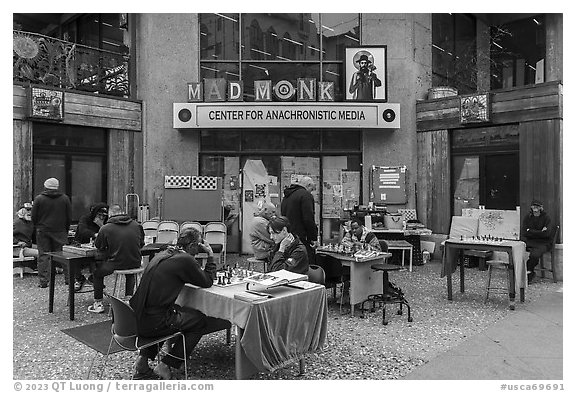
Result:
[[218, 103]]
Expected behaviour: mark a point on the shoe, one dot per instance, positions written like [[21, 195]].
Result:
[[96, 308], [43, 285]]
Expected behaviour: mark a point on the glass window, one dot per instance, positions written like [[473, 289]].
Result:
[[280, 37], [454, 51], [334, 73], [228, 71], [220, 140], [281, 140], [68, 136], [219, 34], [517, 50], [341, 140], [86, 182], [338, 32]]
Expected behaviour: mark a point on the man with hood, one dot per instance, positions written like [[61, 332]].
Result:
[[298, 207], [51, 216], [260, 239], [120, 240], [536, 233], [88, 227]]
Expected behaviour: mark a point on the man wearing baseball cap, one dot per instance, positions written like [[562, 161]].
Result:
[[51, 215], [536, 233]]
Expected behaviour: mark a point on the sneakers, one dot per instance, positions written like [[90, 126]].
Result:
[[96, 308]]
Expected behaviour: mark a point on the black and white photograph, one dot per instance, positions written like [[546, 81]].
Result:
[[406, 167]]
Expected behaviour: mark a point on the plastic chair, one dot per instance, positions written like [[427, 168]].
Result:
[[192, 224], [150, 228], [215, 233], [316, 274], [125, 333], [540, 267]]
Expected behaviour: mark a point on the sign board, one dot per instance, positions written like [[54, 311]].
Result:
[[388, 185], [285, 115], [496, 223], [45, 104]]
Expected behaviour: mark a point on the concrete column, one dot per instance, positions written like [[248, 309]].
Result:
[[167, 59], [554, 52], [409, 40]]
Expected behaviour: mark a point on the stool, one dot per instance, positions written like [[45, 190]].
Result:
[[391, 294], [496, 264], [19, 262], [481, 255], [253, 260], [401, 245]]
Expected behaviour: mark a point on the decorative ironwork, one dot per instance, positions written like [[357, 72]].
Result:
[[48, 61]]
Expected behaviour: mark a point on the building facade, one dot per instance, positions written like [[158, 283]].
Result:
[[123, 76]]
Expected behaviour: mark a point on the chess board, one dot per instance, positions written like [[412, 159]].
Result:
[[204, 183], [177, 181]]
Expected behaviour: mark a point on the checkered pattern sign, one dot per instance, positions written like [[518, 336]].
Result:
[[177, 181], [408, 214], [204, 183]]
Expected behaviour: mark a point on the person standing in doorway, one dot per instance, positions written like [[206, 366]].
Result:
[[298, 207], [51, 215]]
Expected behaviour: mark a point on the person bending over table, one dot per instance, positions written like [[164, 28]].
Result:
[[120, 240], [88, 226], [158, 315], [289, 252], [359, 237]]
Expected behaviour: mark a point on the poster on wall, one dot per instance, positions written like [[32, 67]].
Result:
[[350, 189], [366, 73], [45, 104], [331, 194], [388, 185]]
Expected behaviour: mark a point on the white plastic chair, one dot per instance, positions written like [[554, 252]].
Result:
[[192, 224], [215, 234], [150, 228]]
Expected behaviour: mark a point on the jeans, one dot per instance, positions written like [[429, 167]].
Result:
[[192, 323], [536, 251], [104, 269], [49, 242]]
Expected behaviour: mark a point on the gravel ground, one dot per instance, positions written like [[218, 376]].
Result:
[[355, 348]]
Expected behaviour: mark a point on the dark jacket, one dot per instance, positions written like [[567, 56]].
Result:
[[298, 207], [294, 258], [87, 228], [121, 239], [535, 225], [52, 212], [22, 231], [161, 284]]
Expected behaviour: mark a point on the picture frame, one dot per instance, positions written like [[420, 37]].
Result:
[[366, 73]]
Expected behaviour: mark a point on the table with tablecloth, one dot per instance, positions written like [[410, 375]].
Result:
[[516, 251], [271, 332]]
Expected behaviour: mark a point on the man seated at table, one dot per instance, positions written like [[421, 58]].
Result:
[[260, 238], [158, 315], [88, 226], [536, 233], [23, 231], [120, 240], [359, 238], [289, 253]]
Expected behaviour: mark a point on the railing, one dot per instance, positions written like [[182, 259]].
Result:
[[49, 61]]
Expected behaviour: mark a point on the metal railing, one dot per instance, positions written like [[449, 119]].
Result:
[[39, 59]]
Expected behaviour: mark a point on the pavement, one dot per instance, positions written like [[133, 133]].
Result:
[[525, 345]]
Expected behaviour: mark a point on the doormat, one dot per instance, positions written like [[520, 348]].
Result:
[[96, 335]]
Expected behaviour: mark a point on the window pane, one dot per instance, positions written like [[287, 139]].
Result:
[[341, 140], [338, 32], [220, 140], [281, 37], [228, 71], [219, 36], [68, 136], [276, 72], [86, 183], [466, 182], [112, 34], [281, 140], [46, 166], [333, 73]]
